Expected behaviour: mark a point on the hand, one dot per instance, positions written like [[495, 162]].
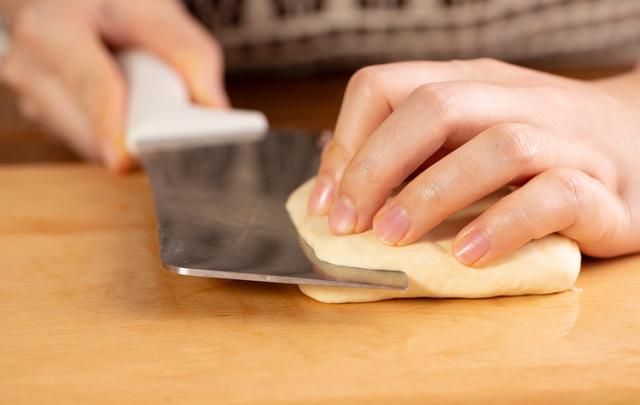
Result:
[[467, 128], [60, 66]]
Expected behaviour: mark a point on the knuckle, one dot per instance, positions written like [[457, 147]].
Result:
[[334, 159], [525, 220], [470, 67], [335, 151], [574, 186], [486, 62], [518, 144], [361, 171], [583, 197], [460, 65], [432, 194], [364, 79], [441, 98]]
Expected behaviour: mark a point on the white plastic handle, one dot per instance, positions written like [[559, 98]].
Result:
[[161, 115]]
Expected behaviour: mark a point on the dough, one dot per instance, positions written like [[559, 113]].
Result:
[[542, 266]]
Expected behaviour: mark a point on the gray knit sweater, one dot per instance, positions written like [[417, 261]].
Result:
[[320, 34]]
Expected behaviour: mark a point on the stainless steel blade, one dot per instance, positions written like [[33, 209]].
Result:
[[221, 214]]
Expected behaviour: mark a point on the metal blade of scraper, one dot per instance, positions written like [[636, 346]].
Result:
[[220, 185]]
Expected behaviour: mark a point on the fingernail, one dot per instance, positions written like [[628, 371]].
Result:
[[343, 216], [471, 248], [393, 225], [321, 196]]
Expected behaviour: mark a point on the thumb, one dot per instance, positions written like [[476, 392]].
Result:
[[167, 30]]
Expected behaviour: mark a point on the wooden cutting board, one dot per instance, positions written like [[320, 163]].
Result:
[[87, 314]]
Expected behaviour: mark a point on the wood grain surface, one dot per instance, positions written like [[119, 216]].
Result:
[[88, 315]]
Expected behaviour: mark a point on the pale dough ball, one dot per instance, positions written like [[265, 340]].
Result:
[[542, 266]]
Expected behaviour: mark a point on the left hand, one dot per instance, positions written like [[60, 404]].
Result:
[[468, 128], [60, 66]]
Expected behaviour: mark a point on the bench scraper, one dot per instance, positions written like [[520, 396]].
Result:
[[220, 182]]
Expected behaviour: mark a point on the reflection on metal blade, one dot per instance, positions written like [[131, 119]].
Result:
[[221, 213]]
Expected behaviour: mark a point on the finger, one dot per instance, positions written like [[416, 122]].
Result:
[[435, 115], [92, 78], [558, 200], [498, 156], [43, 98], [167, 30], [374, 92]]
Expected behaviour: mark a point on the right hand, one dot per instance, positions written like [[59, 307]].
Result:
[[460, 130], [60, 66]]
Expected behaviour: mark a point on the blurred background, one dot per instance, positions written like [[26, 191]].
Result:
[[292, 58]]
